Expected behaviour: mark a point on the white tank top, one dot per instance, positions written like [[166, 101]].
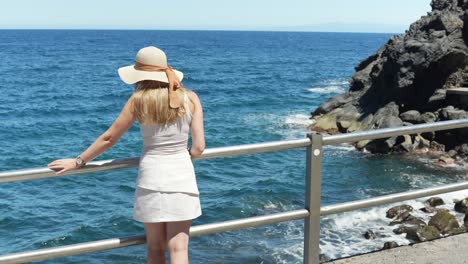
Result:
[[165, 139], [165, 163]]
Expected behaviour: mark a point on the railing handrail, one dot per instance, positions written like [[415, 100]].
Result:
[[229, 151], [310, 215]]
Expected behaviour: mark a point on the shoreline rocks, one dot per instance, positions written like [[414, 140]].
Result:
[[441, 223], [404, 83]]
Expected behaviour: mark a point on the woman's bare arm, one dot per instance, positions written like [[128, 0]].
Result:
[[123, 122], [196, 127]]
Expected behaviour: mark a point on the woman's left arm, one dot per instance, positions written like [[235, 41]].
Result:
[[123, 122]]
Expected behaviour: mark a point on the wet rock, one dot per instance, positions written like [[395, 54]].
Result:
[[370, 235], [361, 144], [452, 153], [465, 220], [462, 150], [397, 210], [451, 113], [437, 146], [444, 160], [459, 230], [434, 201], [333, 103], [423, 233], [407, 123], [390, 244], [462, 206], [429, 136], [407, 144], [407, 219], [403, 229], [412, 116], [428, 117], [444, 222], [322, 258], [430, 210], [420, 142]]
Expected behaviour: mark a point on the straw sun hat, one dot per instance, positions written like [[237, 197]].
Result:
[[151, 64]]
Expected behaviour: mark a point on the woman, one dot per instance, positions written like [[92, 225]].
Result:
[[166, 195]]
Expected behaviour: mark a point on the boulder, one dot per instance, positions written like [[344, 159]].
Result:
[[390, 244], [459, 230], [434, 145], [462, 206], [407, 144], [465, 220], [423, 233], [421, 143], [444, 160], [444, 222], [462, 150], [430, 210], [397, 210], [453, 114], [412, 116], [428, 117], [452, 153], [434, 201], [408, 219], [369, 234], [403, 229]]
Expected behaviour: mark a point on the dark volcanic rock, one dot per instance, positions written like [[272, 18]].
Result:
[[390, 244], [430, 210], [408, 219], [370, 235], [405, 82], [444, 222], [434, 201], [412, 116], [462, 206], [404, 229], [423, 233], [397, 210]]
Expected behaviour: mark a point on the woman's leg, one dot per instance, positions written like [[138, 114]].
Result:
[[177, 240], [156, 242]]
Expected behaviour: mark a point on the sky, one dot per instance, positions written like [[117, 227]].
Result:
[[284, 15]]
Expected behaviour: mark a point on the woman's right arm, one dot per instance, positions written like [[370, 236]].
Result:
[[196, 127]]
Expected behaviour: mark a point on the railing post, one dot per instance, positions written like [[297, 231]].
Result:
[[313, 185]]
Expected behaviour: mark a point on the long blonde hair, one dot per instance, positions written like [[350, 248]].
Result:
[[151, 105]]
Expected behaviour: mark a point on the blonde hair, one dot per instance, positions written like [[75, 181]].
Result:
[[151, 103]]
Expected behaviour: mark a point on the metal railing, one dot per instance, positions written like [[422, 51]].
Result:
[[311, 213]]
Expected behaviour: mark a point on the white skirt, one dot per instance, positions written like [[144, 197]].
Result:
[[154, 206]]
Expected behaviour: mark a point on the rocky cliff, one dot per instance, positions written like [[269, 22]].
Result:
[[405, 82]]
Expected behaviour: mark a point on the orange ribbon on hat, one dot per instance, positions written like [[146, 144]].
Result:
[[174, 82]]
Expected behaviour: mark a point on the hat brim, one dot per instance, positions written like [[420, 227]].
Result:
[[130, 75]]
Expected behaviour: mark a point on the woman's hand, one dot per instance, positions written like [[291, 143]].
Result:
[[62, 165]]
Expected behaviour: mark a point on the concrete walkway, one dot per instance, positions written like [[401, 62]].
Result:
[[451, 250]]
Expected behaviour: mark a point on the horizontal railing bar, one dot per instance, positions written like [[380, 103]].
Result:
[[106, 244], [71, 250], [391, 198], [230, 225], [255, 148], [94, 166], [395, 131], [106, 165]]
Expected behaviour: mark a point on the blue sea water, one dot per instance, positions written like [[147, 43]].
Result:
[[60, 90]]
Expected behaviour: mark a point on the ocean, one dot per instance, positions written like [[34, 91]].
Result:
[[60, 90]]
